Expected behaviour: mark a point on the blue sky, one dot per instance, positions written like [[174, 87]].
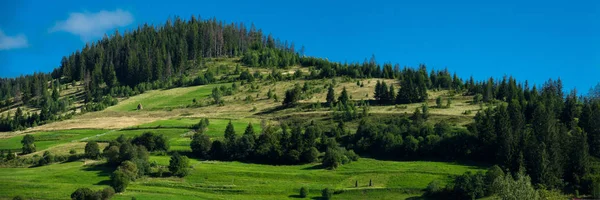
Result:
[[531, 40]]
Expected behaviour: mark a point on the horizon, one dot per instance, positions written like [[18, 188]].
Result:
[[532, 42]]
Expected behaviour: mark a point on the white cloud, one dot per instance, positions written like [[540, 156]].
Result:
[[12, 42], [90, 25]]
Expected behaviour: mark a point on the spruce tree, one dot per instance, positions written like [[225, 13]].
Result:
[[330, 96]]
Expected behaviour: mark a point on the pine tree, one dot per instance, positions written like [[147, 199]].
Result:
[[330, 96], [344, 98], [230, 133]]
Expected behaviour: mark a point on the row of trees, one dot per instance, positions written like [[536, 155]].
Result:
[[293, 146]]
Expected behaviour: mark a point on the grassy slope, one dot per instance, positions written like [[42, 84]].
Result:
[[235, 180], [166, 112]]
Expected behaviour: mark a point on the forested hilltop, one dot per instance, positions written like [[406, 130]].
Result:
[[540, 140]]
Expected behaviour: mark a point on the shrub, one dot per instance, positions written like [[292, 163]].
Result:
[[326, 194], [18, 198], [200, 145], [46, 159], [119, 181], [310, 155], [303, 192], [433, 188], [130, 169], [178, 165], [332, 158], [518, 188], [152, 142], [84, 194], [28, 144], [92, 150], [107, 193]]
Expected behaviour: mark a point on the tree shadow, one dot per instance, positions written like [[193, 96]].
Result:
[[319, 166], [272, 110], [295, 196], [101, 170]]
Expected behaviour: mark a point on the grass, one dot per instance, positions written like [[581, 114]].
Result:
[[165, 99], [216, 127], [166, 112], [236, 180], [56, 181], [45, 140]]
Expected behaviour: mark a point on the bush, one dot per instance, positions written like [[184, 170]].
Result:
[[332, 158], [119, 181], [28, 144], [46, 159], [130, 169], [303, 192], [18, 198], [107, 193], [178, 165], [518, 188], [326, 194], [433, 188], [311, 155], [92, 150], [152, 142], [200, 145], [84, 194]]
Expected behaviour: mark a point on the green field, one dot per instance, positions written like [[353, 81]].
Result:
[[235, 180], [216, 127], [165, 99], [216, 179], [44, 140]]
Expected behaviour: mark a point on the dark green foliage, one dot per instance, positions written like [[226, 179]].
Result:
[[330, 96], [88, 194], [112, 155], [18, 198], [201, 125], [119, 181], [230, 135], [303, 192], [92, 150], [178, 165], [46, 159], [326, 194], [218, 150], [200, 145], [491, 175], [311, 155], [129, 169], [344, 98], [84, 194], [107, 193], [152, 142], [217, 96], [470, 186], [333, 158], [433, 188], [28, 144], [292, 96], [413, 86]]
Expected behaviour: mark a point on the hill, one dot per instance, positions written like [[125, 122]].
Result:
[[258, 120]]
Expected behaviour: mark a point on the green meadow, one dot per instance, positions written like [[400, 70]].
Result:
[[46, 139], [165, 99], [236, 180], [216, 179]]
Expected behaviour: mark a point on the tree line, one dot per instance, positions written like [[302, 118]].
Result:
[[290, 145]]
